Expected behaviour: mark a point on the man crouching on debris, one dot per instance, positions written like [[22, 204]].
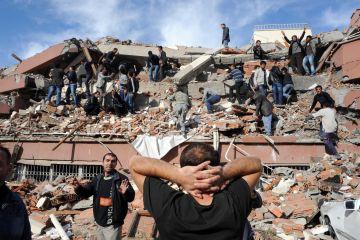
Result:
[[264, 109], [181, 106], [14, 220], [112, 192], [218, 198]]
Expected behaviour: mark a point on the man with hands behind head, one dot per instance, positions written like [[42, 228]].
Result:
[[218, 198]]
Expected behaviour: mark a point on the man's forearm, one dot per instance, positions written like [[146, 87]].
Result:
[[155, 168], [241, 167]]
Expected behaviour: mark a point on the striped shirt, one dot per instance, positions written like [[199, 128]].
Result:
[[237, 75]]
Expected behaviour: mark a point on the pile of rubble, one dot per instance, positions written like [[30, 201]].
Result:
[[292, 199]]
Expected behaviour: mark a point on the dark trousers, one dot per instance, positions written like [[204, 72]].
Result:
[[296, 62], [330, 143], [237, 88], [87, 84]]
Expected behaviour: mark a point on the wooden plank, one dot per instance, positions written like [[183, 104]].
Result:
[[89, 58]]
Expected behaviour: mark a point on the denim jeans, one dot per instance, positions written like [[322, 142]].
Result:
[[277, 89], [262, 90], [71, 90], [287, 89], [130, 100], [153, 72], [226, 43], [51, 90], [210, 101], [309, 59], [267, 120]]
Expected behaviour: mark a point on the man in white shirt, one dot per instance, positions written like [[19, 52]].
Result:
[[329, 128], [261, 79]]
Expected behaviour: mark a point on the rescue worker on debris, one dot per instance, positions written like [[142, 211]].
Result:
[[225, 36], [56, 84], [264, 110], [288, 84], [115, 104], [276, 79], [72, 77], [328, 130], [14, 220], [92, 105], [296, 51], [103, 77], [153, 66], [321, 97], [163, 62], [238, 77], [260, 79], [181, 106], [259, 53], [210, 97], [214, 200], [131, 92], [111, 193]]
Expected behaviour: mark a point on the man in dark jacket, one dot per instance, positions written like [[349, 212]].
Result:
[[92, 105], [56, 83], [111, 193], [288, 84], [115, 104], [259, 53], [226, 35], [132, 89], [72, 77], [264, 109], [14, 220], [321, 97], [153, 66], [296, 51], [276, 78]]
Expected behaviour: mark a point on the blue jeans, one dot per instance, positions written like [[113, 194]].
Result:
[[153, 72], [210, 101], [226, 43], [71, 90], [262, 90], [267, 120], [51, 90], [130, 100], [287, 89], [277, 89], [309, 59]]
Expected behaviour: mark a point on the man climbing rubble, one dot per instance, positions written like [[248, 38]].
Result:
[[56, 83], [14, 220], [217, 200], [210, 97], [259, 53], [112, 192], [329, 128], [288, 84], [92, 105], [238, 77], [181, 106], [153, 66], [103, 77], [322, 98], [264, 110]]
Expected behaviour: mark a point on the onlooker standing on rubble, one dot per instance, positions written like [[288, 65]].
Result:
[[225, 36], [101, 84], [310, 51], [181, 106], [210, 97], [162, 62], [296, 51], [276, 78], [123, 81], [264, 110], [92, 105], [132, 89], [329, 128], [321, 97], [14, 220], [260, 79], [218, 199], [112, 192], [88, 76], [56, 83], [153, 66], [238, 77], [288, 84], [72, 77], [259, 53]]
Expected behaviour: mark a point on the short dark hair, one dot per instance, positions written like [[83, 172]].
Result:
[[223, 24], [149, 52], [115, 49], [284, 69], [197, 153], [111, 155], [258, 41], [123, 69], [318, 86], [308, 36], [5, 153], [131, 72], [160, 47], [262, 62], [201, 89]]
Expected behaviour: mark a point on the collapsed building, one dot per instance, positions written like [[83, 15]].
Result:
[[52, 144]]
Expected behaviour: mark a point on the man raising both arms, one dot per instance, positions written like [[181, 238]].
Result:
[[211, 209]]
